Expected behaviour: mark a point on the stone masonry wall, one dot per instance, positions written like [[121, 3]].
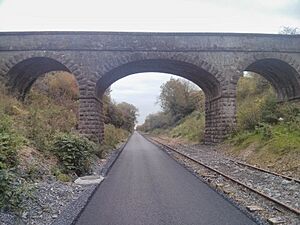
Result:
[[91, 119], [214, 61]]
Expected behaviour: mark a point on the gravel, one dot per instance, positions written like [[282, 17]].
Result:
[[58, 203], [271, 185]]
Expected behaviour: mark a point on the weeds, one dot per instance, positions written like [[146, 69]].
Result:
[[74, 153]]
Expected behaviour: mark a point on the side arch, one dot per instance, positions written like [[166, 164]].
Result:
[[280, 70], [21, 71]]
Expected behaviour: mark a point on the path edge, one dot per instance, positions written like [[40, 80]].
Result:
[[72, 212]]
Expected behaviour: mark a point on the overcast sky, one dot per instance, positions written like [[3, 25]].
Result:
[[251, 16]]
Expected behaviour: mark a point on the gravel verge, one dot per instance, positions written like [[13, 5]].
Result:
[[59, 203], [251, 203]]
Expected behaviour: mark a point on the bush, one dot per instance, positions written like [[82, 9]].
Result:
[[74, 153], [112, 137], [9, 143], [265, 130], [191, 127], [60, 175], [14, 192], [45, 119]]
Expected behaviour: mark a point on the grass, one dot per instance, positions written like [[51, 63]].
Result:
[[190, 128], [280, 150], [27, 136]]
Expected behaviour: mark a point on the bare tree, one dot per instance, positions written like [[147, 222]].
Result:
[[289, 30]]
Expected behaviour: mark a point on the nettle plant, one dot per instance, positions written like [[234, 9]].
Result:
[[74, 153]]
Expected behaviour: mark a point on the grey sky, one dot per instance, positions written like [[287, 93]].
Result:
[[253, 16], [144, 94]]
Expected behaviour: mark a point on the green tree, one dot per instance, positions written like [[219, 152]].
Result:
[[128, 114], [180, 98], [155, 121]]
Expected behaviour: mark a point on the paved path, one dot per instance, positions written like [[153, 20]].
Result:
[[147, 187]]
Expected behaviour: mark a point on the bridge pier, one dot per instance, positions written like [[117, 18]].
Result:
[[220, 119], [91, 119], [212, 61]]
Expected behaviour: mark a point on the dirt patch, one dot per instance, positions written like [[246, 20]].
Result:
[[33, 160]]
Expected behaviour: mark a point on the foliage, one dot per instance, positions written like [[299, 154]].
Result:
[[9, 143], [112, 137], [272, 129], [183, 111], [74, 153], [45, 118], [122, 115], [44, 122], [190, 128], [60, 175], [179, 98], [154, 121], [59, 86], [255, 102], [128, 114], [14, 190]]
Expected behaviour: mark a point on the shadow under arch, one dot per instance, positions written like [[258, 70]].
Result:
[[23, 74], [281, 75], [205, 80]]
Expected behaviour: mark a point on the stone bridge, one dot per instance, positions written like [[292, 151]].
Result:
[[213, 61]]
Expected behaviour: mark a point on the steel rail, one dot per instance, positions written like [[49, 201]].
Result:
[[254, 167], [294, 210]]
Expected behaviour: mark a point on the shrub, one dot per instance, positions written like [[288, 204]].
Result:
[[74, 153], [14, 190], [190, 128], [112, 137], [45, 119], [265, 130], [9, 143]]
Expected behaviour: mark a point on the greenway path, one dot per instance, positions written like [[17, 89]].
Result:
[[147, 187]]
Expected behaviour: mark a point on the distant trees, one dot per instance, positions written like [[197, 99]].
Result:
[[178, 98], [122, 115], [156, 121]]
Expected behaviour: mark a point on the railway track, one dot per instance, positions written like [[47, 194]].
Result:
[[240, 173]]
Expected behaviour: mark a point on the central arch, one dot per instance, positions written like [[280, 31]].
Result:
[[204, 79], [207, 81]]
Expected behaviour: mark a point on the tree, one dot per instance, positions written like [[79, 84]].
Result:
[[128, 114], [155, 121], [289, 30], [179, 98]]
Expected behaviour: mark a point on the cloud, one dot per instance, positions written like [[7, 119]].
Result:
[[139, 15]]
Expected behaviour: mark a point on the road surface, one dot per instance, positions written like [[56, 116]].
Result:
[[147, 187]]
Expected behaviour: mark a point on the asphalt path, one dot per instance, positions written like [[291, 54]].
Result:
[[147, 187]]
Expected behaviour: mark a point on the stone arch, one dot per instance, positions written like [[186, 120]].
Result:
[[218, 113], [282, 71], [206, 76], [21, 71]]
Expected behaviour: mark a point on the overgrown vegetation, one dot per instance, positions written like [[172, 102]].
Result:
[[46, 121], [183, 111], [15, 191], [74, 152], [268, 132]]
